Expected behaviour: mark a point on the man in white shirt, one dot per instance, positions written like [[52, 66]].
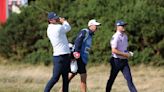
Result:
[[56, 32], [119, 59]]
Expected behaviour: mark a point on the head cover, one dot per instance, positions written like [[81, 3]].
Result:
[[93, 22], [52, 15], [120, 23]]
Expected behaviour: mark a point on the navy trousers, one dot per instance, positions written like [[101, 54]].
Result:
[[117, 65], [61, 66]]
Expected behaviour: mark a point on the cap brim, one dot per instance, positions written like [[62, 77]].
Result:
[[98, 24], [56, 17], [122, 25], [125, 24]]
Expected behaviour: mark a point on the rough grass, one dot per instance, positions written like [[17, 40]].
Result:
[[27, 78]]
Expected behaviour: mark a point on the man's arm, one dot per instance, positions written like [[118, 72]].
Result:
[[78, 43], [79, 40], [126, 55], [65, 25]]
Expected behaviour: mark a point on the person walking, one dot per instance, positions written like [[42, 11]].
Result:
[[82, 45], [56, 32], [120, 55]]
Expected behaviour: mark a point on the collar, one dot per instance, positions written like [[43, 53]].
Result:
[[90, 32], [120, 33]]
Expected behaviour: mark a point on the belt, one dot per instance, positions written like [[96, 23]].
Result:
[[119, 58], [64, 54]]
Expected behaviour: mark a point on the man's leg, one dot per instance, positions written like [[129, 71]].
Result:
[[70, 77], [65, 71], [57, 66], [127, 75], [83, 84], [113, 75], [83, 74]]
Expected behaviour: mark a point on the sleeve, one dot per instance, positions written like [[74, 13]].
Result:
[[79, 40], [66, 27], [126, 37], [114, 42]]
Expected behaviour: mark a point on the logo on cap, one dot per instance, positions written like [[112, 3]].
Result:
[[120, 23], [52, 15]]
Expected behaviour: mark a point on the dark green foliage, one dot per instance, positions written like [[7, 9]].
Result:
[[23, 38]]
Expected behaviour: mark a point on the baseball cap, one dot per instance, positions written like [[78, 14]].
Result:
[[93, 22], [120, 23], [52, 15]]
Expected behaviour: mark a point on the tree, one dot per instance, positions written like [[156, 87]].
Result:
[[24, 36]]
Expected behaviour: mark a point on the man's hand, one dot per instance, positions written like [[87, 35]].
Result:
[[76, 55], [62, 19], [129, 54]]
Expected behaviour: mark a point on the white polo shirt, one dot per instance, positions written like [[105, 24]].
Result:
[[57, 36], [119, 41]]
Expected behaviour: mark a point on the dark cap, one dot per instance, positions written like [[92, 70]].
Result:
[[52, 15], [120, 23]]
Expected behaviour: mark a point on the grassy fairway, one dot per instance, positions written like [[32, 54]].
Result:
[[27, 78]]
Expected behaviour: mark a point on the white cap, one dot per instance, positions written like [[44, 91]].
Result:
[[93, 22]]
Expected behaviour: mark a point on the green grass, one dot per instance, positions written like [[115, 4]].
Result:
[[28, 78]]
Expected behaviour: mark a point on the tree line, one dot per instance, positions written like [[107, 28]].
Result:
[[23, 38]]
